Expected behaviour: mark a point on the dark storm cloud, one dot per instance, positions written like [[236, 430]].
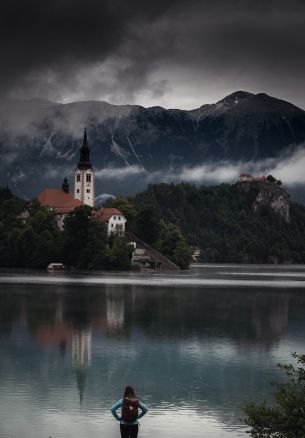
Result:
[[64, 34], [113, 49]]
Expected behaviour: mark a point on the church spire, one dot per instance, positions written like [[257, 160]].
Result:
[[84, 175], [84, 160]]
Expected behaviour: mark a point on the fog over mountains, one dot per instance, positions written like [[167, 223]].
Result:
[[132, 146]]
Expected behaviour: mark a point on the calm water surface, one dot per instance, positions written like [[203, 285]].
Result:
[[195, 345]]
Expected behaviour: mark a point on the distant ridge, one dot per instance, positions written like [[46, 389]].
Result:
[[39, 140]]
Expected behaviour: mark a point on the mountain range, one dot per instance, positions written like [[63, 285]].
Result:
[[132, 145]]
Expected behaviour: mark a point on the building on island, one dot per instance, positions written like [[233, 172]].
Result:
[[247, 177], [113, 218], [60, 201], [196, 252], [63, 202], [84, 176]]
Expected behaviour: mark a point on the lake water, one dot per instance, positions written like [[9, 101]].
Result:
[[194, 345]]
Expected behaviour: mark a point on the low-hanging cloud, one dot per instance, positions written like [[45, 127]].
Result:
[[290, 169], [119, 173]]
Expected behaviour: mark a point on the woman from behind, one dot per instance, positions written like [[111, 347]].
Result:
[[130, 404]]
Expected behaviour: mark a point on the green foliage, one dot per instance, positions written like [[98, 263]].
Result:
[[119, 253], [147, 225], [221, 221], [182, 255], [42, 219], [44, 250], [285, 418], [172, 244], [144, 220], [271, 178], [83, 244], [75, 235], [93, 253], [87, 246], [25, 245]]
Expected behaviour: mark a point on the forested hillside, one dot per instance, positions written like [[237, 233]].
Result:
[[84, 242], [221, 220]]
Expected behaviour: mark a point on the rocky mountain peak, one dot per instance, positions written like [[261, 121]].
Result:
[[236, 97], [40, 140]]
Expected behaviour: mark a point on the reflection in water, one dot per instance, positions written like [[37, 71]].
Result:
[[194, 354], [81, 349], [81, 358], [115, 312]]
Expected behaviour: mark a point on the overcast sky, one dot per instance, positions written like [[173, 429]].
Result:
[[171, 53]]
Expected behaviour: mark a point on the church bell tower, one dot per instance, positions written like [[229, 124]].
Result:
[[84, 176]]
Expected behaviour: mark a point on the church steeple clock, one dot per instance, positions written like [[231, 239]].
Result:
[[84, 175]]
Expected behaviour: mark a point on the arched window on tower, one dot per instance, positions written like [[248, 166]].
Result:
[[88, 177]]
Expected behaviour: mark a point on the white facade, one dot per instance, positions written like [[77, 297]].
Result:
[[116, 224], [84, 186]]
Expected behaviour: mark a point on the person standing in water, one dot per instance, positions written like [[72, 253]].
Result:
[[130, 404]]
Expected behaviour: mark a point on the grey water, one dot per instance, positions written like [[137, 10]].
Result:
[[195, 345]]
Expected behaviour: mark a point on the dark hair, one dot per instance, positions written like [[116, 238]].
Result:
[[129, 392]]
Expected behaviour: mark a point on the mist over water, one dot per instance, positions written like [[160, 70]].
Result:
[[195, 345]]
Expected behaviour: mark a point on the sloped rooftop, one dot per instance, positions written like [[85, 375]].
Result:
[[104, 214], [59, 200]]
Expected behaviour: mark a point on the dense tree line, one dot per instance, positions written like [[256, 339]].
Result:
[[221, 221], [163, 235], [83, 244], [285, 417]]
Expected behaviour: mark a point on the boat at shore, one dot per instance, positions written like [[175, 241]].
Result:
[[55, 267]]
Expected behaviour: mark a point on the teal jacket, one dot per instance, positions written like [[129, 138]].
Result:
[[119, 404]]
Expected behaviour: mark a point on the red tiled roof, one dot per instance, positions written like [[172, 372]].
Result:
[[260, 178], [61, 202], [245, 174], [104, 214]]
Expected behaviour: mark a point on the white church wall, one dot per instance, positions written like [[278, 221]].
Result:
[[84, 186]]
